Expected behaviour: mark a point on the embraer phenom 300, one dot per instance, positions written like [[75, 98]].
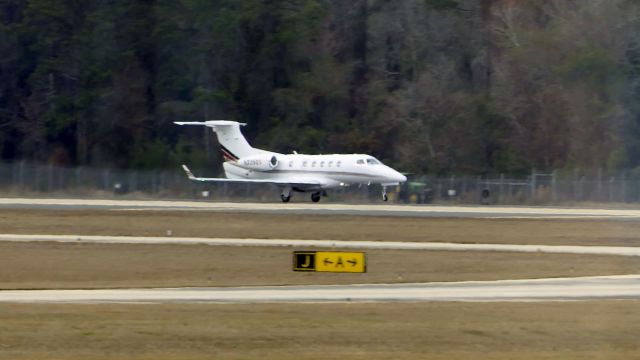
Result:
[[293, 172]]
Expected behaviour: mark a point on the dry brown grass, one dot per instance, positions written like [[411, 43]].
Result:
[[246, 225], [562, 330], [81, 265], [570, 330]]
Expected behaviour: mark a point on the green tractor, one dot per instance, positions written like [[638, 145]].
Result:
[[415, 190]]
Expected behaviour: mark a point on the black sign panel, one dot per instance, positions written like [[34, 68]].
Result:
[[304, 261]]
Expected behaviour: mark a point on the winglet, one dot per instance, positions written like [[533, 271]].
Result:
[[189, 173]]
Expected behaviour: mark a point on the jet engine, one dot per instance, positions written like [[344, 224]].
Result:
[[259, 162]]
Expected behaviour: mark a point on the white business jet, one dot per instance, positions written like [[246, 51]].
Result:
[[293, 172]]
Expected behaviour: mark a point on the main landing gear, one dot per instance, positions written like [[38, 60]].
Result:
[[315, 196], [384, 194], [286, 195]]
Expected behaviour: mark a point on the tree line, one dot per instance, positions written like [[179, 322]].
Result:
[[432, 86]]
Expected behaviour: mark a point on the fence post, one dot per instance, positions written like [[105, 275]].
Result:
[[163, 181], [599, 186], [49, 177], [14, 174], [154, 182], [501, 193], [533, 184], [77, 178], [21, 175], [624, 187], [451, 186], [105, 180], [37, 178], [554, 193], [611, 182], [575, 184], [581, 188], [133, 181], [464, 187]]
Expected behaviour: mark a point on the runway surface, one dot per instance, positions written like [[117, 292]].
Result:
[[555, 249], [326, 208], [586, 288]]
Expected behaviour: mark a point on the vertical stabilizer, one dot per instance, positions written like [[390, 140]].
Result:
[[232, 143]]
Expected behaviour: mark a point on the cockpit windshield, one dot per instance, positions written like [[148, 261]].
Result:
[[372, 161]]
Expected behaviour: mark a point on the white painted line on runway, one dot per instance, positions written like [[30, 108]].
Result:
[[337, 244], [585, 288], [378, 209]]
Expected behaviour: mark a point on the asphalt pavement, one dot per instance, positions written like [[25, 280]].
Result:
[[381, 209]]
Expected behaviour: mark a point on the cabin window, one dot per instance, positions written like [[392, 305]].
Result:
[[338, 163], [313, 164], [304, 163], [330, 164], [321, 163], [291, 163], [360, 162]]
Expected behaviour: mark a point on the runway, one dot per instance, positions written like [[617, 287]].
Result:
[[324, 208], [333, 244], [586, 288]]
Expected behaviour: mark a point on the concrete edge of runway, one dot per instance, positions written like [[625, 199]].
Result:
[[334, 244], [560, 289], [431, 210]]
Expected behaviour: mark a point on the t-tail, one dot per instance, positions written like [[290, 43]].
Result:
[[232, 143]]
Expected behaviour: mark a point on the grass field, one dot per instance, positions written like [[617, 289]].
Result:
[[538, 330], [569, 330], [81, 265]]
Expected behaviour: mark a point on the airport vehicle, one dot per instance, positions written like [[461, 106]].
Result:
[[415, 190], [293, 172]]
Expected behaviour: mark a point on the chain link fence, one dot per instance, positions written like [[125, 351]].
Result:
[[38, 180]]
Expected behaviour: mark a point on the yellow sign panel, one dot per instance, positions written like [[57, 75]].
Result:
[[329, 261], [337, 261]]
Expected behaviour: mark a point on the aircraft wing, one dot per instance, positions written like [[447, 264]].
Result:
[[293, 182]]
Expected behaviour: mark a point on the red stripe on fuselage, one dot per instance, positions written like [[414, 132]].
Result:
[[228, 156]]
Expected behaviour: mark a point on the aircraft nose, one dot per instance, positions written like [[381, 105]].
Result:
[[394, 176], [399, 177]]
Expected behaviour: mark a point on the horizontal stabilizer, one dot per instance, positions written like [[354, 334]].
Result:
[[210, 123]]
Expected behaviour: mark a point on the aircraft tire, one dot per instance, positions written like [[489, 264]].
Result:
[[315, 197], [285, 199]]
